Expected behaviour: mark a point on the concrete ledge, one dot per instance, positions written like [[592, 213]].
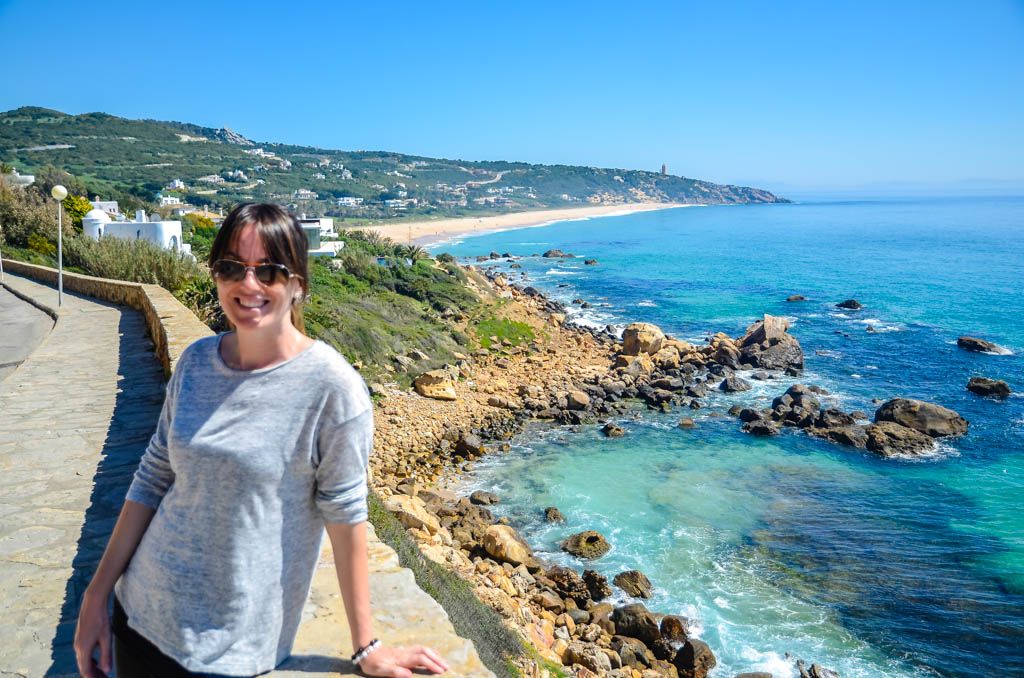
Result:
[[171, 326]]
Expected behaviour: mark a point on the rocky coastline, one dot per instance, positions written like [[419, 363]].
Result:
[[428, 436]]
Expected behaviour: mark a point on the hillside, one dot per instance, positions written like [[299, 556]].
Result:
[[221, 167]]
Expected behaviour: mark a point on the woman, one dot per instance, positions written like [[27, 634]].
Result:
[[263, 439]]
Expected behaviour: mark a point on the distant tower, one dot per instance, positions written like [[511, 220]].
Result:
[[664, 170]]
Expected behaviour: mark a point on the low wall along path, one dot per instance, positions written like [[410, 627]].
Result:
[[75, 416]]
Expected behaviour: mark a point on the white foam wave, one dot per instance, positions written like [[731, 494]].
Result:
[[722, 603], [648, 303]]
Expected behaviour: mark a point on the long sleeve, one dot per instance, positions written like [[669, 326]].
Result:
[[154, 476], [344, 452]]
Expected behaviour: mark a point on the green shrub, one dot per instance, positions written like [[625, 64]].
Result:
[[504, 329], [132, 260], [37, 242]]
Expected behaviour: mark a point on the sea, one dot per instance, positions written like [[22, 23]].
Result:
[[788, 548]]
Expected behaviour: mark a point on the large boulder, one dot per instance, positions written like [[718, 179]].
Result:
[[850, 304], [634, 582], [694, 659], [983, 386], [643, 338], [436, 384], [587, 655], [890, 439], [569, 584], [597, 584], [928, 418], [636, 621], [734, 384], [412, 513], [504, 543], [588, 544], [780, 355], [771, 328], [975, 345]]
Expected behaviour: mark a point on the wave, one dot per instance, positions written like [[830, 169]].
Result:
[[555, 271], [647, 303]]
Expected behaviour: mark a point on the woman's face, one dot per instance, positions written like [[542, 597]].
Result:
[[249, 304]]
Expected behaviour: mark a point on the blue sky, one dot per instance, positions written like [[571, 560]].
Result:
[[788, 96]]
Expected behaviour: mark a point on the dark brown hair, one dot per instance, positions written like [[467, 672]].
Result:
[[282, 238]]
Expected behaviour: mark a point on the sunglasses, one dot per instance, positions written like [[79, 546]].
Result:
[[230, 270]]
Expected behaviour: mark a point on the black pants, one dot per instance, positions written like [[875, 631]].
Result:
[[136, 657]]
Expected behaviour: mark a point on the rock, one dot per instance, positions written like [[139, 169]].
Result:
[[928, 418], [796, 297], [482, 498], [754, 674], [636, 621], [590, 262], [687, 422], [577, 400], [417, 354], [984, 386], [642, 338], [760, 427], [569, 584], [784, 354], [833, 418], [694, 659], [436, 384], [633, 652], [589, 544], [469, 446], [597, 584], [412, 513], [975, 345], [734, 385], [558, 254], [675, 628], [771, 328], [504, 543], [850, 304], [816, 671], [553, 515], [634, 583], [890, 439], [854, 436], [549, 601], [588, 656], [613, 431]]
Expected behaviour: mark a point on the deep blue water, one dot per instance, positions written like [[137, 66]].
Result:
[[792, 545]]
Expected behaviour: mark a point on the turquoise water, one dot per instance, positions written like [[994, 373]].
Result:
[[792, 545]]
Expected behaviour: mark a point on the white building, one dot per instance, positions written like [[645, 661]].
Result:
[[108, 206], [325, 224], [167, 234], [348, 201], [304, 194], [176, 185], [166, 200], [19, 180]]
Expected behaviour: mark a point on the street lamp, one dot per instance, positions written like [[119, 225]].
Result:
[[59, 193]]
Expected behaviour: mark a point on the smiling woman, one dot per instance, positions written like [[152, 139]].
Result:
[[263, 441]]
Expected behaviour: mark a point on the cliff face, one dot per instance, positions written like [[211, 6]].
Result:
[[142, 156]]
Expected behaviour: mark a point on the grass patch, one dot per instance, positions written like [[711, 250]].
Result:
[[502, 329], [497, 645]]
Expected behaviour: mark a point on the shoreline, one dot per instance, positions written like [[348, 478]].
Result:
[[437, 231]]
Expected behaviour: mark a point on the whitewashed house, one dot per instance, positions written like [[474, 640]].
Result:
[[97, 224]]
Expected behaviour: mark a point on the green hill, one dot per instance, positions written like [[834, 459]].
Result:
[[221, 167]]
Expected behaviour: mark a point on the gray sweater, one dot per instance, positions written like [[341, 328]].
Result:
[[244, 469]]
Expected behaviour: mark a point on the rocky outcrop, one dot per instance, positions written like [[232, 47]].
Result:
[[694, 659], [642, 338], [504, 543], [768, 345], [634, 582], [589, 544], [850, 304], [991, 388], [796, 297], [932, 420], [975, 345], [890, 439], [436, 384]]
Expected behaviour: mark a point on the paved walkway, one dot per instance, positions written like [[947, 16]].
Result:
[[74, 418], [22, 327]]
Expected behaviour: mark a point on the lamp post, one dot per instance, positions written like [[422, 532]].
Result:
[[59, 193]]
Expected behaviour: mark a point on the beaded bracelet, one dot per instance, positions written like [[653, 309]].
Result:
[[363, 652]]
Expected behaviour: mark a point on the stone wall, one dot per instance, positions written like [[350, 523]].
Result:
[[171, 325]]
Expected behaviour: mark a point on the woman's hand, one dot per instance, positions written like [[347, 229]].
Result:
[[398, 662], [93, 629]]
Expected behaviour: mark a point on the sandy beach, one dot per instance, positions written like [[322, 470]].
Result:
[[434, 231]]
